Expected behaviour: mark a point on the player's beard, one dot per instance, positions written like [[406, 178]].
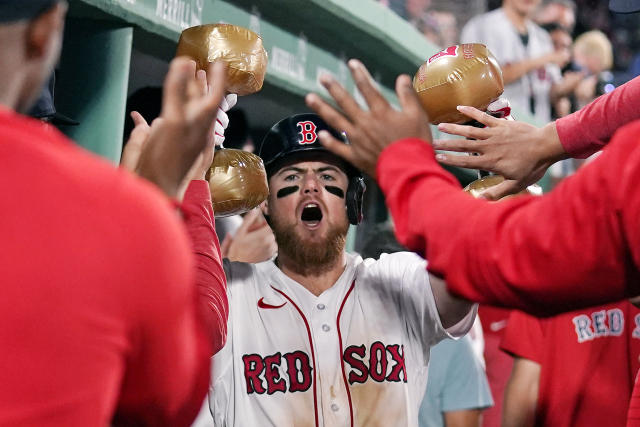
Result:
[[310, 258]]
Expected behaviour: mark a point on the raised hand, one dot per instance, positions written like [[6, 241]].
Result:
[[369, 132], [518, 151], [137, 141], [189, 108], [252, 242]]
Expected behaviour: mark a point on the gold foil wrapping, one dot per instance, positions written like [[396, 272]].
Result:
[[479, 185], [238, 182], [239, 47], [466, 74]]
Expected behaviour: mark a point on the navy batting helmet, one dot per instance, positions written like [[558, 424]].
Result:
[[295, 139]]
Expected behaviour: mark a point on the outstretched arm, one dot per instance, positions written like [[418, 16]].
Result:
[[544, 254], [522, 153]]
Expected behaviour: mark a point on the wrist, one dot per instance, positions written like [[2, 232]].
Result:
[[551, 149]]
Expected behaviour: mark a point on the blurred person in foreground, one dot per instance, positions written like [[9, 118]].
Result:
[[100, 299]]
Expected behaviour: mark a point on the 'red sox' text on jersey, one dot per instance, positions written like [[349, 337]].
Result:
[[357, 354]]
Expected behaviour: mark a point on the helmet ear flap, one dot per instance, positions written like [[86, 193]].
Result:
[[355, 198]]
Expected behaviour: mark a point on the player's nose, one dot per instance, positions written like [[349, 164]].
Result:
[[310, 184]]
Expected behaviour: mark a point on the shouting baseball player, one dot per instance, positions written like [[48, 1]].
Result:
[[319, 337]]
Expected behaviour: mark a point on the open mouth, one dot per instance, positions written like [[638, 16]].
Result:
[[311, 215]]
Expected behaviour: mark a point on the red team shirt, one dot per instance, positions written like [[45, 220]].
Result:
[[577, 246], [588, 360], [498, 364], [99, 308]]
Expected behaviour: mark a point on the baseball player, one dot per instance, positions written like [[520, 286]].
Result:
[[319, 337]]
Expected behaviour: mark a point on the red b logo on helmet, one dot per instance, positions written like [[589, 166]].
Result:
[[307, 132], [450, 51]]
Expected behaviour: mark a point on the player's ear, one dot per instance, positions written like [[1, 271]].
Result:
[[45, 29], [264, 207]]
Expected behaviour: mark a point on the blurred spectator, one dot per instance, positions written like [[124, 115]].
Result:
[[592, 57], [592, 53], [561, 12], [561, 39], [439, 27], [530, 65], [572, 370], [457, 387], [411, 10]]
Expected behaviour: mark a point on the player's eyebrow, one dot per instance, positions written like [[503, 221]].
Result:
[[327, 168], [291, 169]]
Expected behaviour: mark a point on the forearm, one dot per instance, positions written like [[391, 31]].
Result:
[[451, 310], [514, 71], [521, 394], [562, 88], [590, 128], [463, 418], [210, 277], [514, 253]]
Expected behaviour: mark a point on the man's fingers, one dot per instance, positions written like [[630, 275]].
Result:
[[225, 245], [247, 222], [344, 100], [181, 72], [478, 115], [471, 162], [505, 188], [407, 95], [138, 120], [217, 80], [459, 145], [201, 79], [334, 118], [364, 82], [464, 130], [338, 148]]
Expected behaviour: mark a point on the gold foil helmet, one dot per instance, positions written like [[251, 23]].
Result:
[[476, 187], [238, 182], [466, 74], [239, 47]]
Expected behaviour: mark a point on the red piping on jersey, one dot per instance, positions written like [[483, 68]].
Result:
[[313, 356], [344, 374]]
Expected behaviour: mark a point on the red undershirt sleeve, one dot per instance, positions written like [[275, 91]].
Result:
[[211, 281], [571, 248], [590, 128]]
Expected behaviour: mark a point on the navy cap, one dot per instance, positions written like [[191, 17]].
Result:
[[18, 10], [294, 139], [45, 109], [624, 6]]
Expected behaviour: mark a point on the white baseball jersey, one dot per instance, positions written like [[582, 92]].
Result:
[[494, 30], [355, 355]]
